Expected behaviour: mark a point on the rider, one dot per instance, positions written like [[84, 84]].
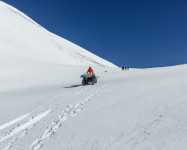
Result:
[[90, 70]]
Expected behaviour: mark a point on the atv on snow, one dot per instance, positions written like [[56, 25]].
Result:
[[88, 78]]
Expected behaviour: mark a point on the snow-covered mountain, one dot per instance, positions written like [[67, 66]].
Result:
[[44, 106], [22, 40]]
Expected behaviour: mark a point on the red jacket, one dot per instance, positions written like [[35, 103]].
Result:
[[90, 70]]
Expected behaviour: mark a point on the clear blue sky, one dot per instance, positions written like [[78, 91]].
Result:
[[134, 33]]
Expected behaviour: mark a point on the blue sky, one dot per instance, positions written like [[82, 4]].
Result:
[[134, 33]]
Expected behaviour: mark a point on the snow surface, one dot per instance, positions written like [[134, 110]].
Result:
[[44, 106], [24, 41]]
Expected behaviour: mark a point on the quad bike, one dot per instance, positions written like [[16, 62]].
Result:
[[88, 78]]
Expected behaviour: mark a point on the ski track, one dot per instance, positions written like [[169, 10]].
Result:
[[68, 112]]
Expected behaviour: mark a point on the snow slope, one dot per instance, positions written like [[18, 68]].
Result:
[[28, 50], [132, 110], [22, 39], [44, 106]]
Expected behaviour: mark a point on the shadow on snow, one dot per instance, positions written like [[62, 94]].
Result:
[[73, 86]]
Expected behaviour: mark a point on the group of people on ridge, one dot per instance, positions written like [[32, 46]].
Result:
[[126, 68]]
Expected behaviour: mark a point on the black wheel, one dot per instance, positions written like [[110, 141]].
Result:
[[83, 82]]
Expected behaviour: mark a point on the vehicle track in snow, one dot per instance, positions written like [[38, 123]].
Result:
[[19, 127], [6, 125], [69, 112]]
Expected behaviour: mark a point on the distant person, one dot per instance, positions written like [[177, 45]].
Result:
[[123, 68], [126, 68]]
